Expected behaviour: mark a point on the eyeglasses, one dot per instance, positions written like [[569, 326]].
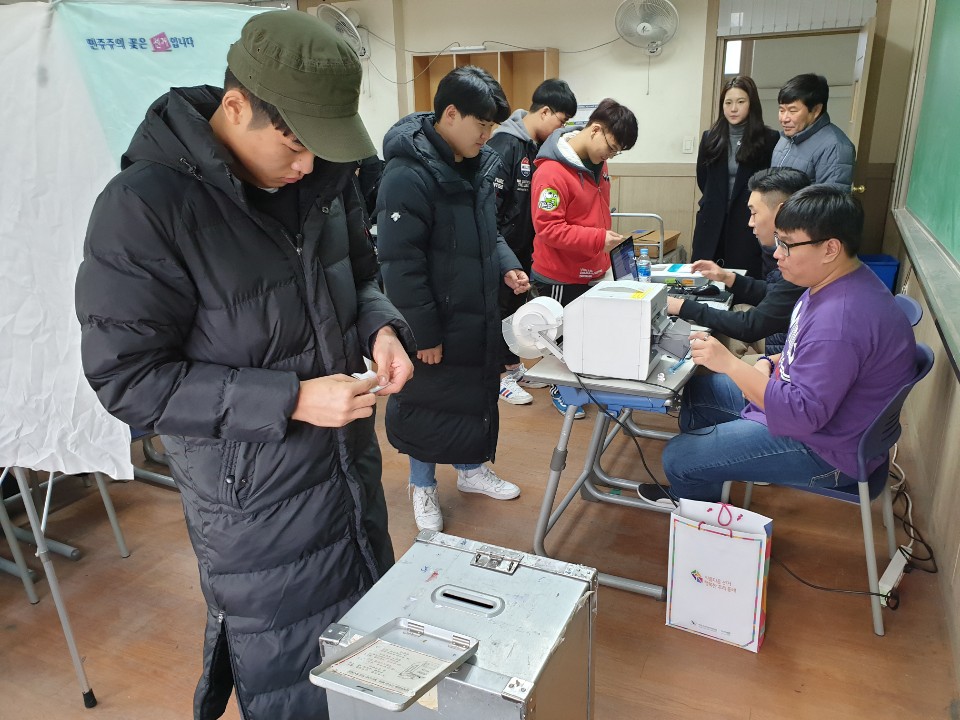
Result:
[[613, 151], [788, 246], [562, 117]]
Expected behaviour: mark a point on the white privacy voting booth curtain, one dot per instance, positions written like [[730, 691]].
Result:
[[77, 79], [53, 162]]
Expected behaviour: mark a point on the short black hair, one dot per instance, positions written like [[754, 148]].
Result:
[[810, 89], [778, 182], [824, 212], [556, 95], [263, 112], [618, 119], [472, 91]]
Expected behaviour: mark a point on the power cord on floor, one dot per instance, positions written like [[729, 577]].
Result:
[[606, 411], [899, 488], [893, 600]]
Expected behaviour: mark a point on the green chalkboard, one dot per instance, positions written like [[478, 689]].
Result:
[[934, 192]]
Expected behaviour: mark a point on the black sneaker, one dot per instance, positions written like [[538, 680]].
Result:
[[655, 495]]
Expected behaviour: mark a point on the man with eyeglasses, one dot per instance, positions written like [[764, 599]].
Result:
[[796, 418], [570, 204], [517, 142]]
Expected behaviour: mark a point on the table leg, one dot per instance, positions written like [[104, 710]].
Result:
[[88, 697]]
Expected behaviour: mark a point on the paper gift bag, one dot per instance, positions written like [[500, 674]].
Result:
[[717, 572]]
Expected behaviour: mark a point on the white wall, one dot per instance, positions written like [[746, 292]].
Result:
[[776, 60], [378, 93], [667, 113]]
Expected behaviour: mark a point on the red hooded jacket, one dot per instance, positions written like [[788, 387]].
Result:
[[570, 206]]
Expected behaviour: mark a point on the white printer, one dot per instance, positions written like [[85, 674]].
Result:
[[612, 329]]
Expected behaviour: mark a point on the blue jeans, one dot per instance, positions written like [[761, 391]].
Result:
[[422, 474], [716, 445]]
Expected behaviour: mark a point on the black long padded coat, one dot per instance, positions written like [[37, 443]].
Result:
[[443, 262], [199, 317], [721, 231]]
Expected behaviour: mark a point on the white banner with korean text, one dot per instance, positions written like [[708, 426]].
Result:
[[78, 78]]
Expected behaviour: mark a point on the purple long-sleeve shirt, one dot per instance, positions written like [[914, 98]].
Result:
[[849, 350]]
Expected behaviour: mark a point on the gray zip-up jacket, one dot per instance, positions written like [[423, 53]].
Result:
[[822, 151]]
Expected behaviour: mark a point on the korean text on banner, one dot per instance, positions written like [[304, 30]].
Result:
[[132, 53]]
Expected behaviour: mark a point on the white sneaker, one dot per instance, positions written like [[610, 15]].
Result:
[[512, 393], [486, 482], [519, 375], [426, 507]]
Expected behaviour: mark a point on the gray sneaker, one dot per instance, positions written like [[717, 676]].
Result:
[[486, 482], [426, 507]]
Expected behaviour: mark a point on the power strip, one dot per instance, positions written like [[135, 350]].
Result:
[[892, 576]]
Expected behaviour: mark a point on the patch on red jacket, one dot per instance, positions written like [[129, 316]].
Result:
[[549, 199]]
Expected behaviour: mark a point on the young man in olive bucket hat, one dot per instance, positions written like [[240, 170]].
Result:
[[228, 292]]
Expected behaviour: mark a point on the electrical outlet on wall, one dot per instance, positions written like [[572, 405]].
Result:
[[688, 145]]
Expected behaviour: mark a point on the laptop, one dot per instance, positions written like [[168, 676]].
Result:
[[623, 261]]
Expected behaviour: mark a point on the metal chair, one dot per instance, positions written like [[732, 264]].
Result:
[[876, 440], [151, 453]]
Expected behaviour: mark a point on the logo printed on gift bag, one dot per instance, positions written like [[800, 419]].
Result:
[[717, 569]]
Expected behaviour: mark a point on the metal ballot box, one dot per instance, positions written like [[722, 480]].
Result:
[[517, 627]]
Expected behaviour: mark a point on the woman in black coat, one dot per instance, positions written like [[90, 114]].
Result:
[[736, 146]]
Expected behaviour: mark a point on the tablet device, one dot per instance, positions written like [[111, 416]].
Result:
[[623, 261]]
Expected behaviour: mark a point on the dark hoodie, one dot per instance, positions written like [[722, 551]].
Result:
[[443, 262], [518, 153], [199, 317]]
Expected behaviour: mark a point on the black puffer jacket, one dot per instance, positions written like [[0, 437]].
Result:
[[199, 317], [442, 263], [517, 151]]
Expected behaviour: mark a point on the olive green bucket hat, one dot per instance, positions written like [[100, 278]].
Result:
[[299, 64]]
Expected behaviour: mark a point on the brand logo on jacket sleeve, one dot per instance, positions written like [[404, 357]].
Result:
[[525, 167], [549, 200]]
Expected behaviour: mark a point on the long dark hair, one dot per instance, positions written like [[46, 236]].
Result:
[[718, 136]]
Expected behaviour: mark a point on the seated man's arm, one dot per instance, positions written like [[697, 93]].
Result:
[[748, 290], [771, 315]]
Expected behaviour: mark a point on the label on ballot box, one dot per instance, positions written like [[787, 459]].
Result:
[[717, 572]]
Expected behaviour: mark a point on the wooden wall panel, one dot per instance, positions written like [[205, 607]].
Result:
[[671, 197]]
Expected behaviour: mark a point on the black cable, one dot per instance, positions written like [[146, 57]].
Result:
[[495, 42], [914, 534], [407, 82], [891, 596], [606, 411], [562, 52]]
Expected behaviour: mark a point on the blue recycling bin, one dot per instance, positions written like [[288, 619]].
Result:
[[885, 266]]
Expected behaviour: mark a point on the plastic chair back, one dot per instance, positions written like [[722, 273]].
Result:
[[883, 432], [910, 307]]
